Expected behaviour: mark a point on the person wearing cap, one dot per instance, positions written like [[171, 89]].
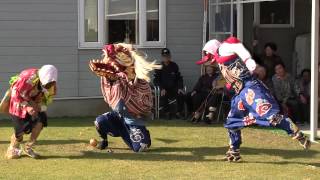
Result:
[[170, 82], [253, 103], [31, 91]]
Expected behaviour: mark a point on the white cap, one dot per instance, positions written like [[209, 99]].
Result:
[[211, 46], [47, 74]]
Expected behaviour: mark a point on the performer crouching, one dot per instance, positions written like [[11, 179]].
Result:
[[124, 83], [31, 91], [253, 102]]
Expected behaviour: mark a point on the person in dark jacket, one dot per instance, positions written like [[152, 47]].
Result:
[[170, 82]]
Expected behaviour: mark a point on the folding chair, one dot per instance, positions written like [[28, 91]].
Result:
[[157, 102], [222, 103], [202, 108], [157, 94]]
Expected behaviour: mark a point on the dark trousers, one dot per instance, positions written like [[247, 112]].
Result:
[[172, 94], [254, 105], [136, 137], [305, 112], [194, 102], [295, 113], [25, 125]]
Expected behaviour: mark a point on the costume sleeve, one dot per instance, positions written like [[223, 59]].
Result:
[[244, 54], [113, 91], [105, 86], [237, 47], [240, 50]]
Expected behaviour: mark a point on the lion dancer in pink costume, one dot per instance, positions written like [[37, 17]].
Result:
[[253, 103], [124, 74], [32, 90]]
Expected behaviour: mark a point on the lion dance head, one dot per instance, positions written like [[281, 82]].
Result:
[[122, 61]]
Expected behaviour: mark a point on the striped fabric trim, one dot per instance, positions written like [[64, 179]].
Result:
[[137, 96]]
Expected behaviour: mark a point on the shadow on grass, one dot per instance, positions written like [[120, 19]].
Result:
[[59, 122], [316, 164], [4, 142], [60, 142], [199, 154], [167, 141], [154, 154], [88, 122], [54, 142]]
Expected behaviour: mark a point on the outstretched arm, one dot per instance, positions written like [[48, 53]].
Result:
[[233, 46], [244, 54]]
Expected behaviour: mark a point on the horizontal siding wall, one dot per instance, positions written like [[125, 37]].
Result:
[[283, 37], [38, 32], [184, 36], [89, 83], [184, 39]]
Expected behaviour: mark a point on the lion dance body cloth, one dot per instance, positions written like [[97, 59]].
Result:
[[253, 102], [125, 87]]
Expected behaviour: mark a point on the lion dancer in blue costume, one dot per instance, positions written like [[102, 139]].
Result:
[[252, 103]]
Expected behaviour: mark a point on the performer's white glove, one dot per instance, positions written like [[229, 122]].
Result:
[[251, 65]]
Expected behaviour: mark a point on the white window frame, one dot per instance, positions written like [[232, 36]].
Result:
[[257, 17], [142, 33], [81, 35], [239, 5], [143, 25]]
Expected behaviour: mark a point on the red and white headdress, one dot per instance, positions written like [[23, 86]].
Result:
[[226, 51]]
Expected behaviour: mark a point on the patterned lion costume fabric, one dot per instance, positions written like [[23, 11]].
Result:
[[124, 75], [125, 86]]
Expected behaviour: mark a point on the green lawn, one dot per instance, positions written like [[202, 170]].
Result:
[[179, 150]]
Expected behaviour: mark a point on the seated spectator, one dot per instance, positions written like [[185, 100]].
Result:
[[261, 72], [303, 94], [283, 85], [202, 98], [171, 84], [269, 58]]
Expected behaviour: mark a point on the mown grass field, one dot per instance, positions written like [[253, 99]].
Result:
[[180, 150]]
